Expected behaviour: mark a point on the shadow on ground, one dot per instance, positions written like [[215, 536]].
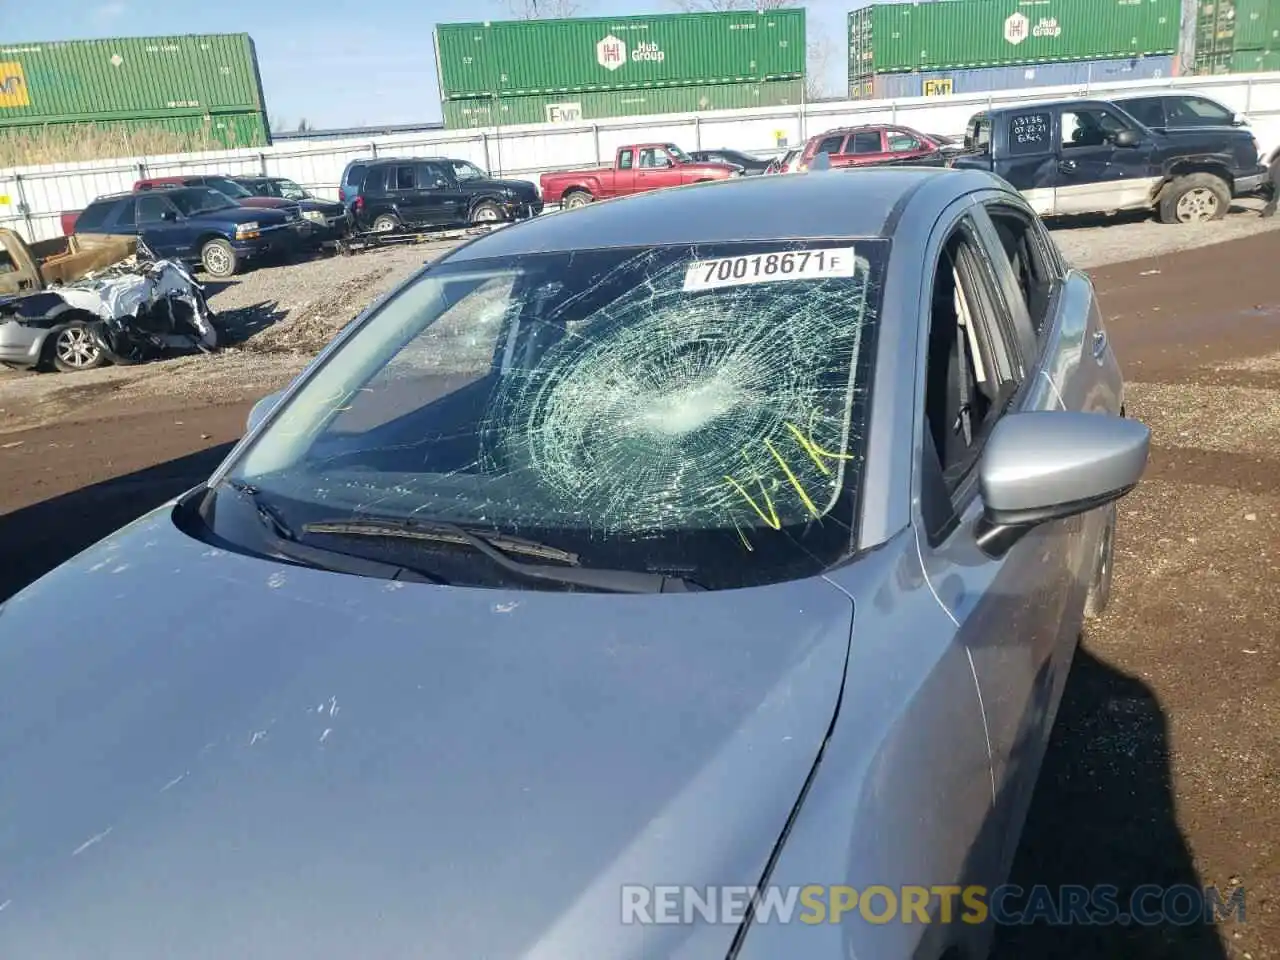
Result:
[[39, 537], [239, 326], [1103, 814]]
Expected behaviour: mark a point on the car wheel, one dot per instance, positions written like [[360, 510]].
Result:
[[486, 211], [1099, 594], [76, 348], [219, 258], [1195, 198], [576, 198], [385, 223]]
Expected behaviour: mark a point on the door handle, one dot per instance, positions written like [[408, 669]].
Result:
[[1099, 345], [1067, 166]]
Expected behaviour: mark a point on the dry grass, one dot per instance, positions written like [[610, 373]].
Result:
[[65, 143]]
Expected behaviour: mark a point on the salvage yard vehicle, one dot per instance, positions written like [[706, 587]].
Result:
[[134, 310], [751, 166], [1089, 156], [873, 145], [732, 535], [403, 193], [196, 225], [637, 168], [28, 267], [329, 219]]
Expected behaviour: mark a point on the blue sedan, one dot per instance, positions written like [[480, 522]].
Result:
[[726, 537]]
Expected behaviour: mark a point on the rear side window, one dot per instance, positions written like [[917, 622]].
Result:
[[400, 178], [355, 174], [1197, 112], [625, 160], [374, 179], [868, 141], [94, 215]]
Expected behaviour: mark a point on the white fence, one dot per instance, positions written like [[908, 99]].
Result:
[[31, 198]]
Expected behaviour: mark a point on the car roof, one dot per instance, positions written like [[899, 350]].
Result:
[[1043, 104], [835, 204]]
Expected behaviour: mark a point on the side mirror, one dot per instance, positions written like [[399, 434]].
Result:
[[1239, 120], [1043, 466], [1125, 138], [169, 216], [260, 409]]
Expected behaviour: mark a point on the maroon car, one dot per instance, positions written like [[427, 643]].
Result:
[[873, 145], [224, 185]]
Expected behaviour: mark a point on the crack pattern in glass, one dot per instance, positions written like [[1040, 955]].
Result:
[[664, 409]]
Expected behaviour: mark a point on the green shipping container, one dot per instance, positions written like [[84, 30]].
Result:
[[129, 78], [1225, 26], [961, 34], [586, 55], [1254, 61], [510, 111]]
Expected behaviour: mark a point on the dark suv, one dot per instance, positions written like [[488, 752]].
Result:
[[194, 224], [391, 194]]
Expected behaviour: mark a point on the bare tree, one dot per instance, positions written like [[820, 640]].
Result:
[[819, 56], [303, 126], [542, 9]]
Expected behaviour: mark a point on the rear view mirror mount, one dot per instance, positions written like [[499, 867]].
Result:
[[1051, 465]]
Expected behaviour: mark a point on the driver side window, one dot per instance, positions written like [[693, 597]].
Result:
[[1091, 127], [151, 208], [972, 371]]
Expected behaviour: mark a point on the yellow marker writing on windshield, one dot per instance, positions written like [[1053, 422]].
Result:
[[818, 454]]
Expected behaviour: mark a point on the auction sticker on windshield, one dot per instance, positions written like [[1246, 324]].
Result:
[[769, 268]]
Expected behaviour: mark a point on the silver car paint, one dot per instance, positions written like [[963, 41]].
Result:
[[189, 798]]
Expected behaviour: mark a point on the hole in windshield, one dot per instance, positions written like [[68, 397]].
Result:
[[699, 411]]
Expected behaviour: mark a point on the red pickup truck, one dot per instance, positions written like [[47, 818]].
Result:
[[636, 168]]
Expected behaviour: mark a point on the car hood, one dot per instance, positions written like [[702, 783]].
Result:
[[273, 203], [246, 214], [213, 755], [520, 187]]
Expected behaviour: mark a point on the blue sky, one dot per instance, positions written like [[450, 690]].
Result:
[[341, 65]]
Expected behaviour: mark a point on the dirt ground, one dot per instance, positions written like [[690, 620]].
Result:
[[1165, 761]]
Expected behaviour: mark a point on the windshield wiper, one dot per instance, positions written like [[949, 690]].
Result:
[[492, 545], [285, 543]]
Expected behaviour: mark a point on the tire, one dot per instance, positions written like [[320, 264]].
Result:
[[1195, 198], [385, 223], [576, 198], [74, 347], [1095, 601], [486, 211], [219, 259]]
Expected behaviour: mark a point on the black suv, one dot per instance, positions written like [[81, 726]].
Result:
[[390, 194]]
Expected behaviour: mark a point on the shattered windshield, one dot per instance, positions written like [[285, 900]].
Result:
[[290, 190], [229, 187], [192, 201], [700, 408]]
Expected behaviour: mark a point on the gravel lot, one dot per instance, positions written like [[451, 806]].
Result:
[[279, 317]]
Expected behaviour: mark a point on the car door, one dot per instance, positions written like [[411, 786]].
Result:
[[1025, 154], [1007, 607], [655, 169], [162, 227], [1094, 175], [402, 194], [624, 177], [861, 148], [440, 201]]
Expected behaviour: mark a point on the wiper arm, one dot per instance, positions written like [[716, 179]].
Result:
[[441, 531], [267, 513]]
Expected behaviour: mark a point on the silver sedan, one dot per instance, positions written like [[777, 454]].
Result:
[[725, 538]]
